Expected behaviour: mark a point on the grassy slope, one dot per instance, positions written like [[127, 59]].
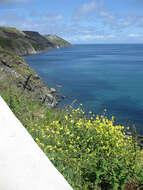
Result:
[[57, 41], [58, 135], [22, 43], [13, 40], [28, 42]]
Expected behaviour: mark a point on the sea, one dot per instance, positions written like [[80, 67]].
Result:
[[99, 76]]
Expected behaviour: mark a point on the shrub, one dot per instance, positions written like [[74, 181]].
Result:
[[92, 153]]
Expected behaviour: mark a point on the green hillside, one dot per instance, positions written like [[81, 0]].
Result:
[[28, 42], [57, 41]]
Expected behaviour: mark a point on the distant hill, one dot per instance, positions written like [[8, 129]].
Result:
[[28, 42], [38, 41], [57, 41]]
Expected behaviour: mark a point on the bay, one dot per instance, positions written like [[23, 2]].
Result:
[[100, 76]]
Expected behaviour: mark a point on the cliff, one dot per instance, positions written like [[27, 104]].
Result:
[[28, 42], [15, 74], [57, 41]]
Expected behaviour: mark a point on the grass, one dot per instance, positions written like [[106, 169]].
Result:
[[16, 41], [57, 41], [12, 30], [91, 153], [6, 42]]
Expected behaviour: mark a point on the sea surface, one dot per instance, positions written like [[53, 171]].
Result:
[[101, 76]]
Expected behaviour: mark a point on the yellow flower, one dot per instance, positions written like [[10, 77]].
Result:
[[66, 117], [37, 139], [72, 121], [72, 135], [88, 150]]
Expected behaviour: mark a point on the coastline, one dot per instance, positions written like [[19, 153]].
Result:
[[15, 73]]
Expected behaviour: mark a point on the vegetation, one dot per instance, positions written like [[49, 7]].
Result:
[[91, 152], [13, 40], [4, 29], [27, 42], [57, 41]]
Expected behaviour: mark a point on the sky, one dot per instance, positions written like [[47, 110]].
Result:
[[78, 21]]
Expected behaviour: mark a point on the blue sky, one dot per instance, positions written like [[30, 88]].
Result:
[[78, 21]]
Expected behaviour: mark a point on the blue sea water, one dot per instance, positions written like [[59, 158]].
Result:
[[98, 76]]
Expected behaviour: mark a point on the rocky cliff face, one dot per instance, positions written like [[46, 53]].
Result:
[[28, 42], [15, 73]]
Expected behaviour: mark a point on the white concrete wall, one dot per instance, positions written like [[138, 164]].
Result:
[[23, 165]]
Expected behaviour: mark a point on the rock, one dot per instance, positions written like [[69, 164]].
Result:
[[139, 139], [36, 77], [63, 97], [59, 86], [23, 165], [19, 63], [5, 63], [52, 90]]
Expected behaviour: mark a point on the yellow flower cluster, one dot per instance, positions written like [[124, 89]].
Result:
[[76, 141]]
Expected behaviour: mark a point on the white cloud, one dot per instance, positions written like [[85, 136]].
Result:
[[95, 12], [130, 20], [53, 17], [86, 31], [111, 36], [106, 15], [91, 37], [86, 9], [133, 35]]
